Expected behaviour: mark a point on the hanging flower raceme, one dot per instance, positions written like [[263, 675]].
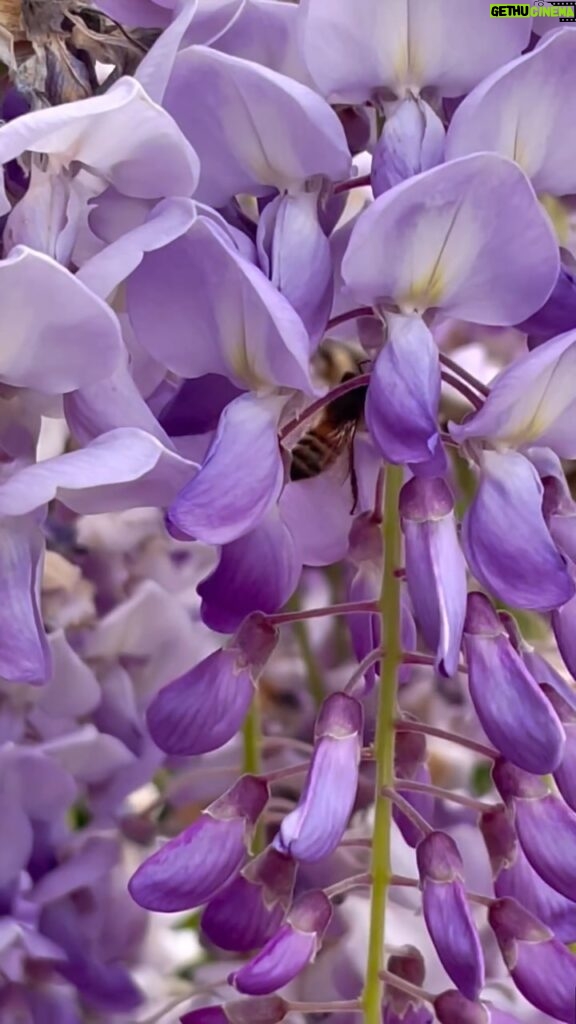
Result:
[[314, 829], [205, 708], [189, 870]]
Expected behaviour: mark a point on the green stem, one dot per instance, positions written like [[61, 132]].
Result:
[[252, 761], [381, 868]]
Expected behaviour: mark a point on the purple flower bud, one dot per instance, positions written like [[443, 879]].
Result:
[[453, 1008], [270, 1010], [542, 968], [513, 711], [410, 763], [205, 708], [190, 869], [293, 947], [514, 877], [435, 567], [315, 827], [545, 826], [447, 914], [399, 1007], [245, 914]]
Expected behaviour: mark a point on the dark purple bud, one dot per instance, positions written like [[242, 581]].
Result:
[[356, 124], [293, 947], [453, 1008], [435, 567], [250, 910], [315, 827], [190, 869], [399, 1007], [270, 1010], [447, 914], [205, 708], [513, 711], [545, 826], [542, 968], [410, 763], [514, 877], [558, 314]]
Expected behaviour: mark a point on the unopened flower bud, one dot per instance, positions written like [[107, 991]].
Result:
[[516, 878], [435, 567], [410, 763], [245, 914], [542, 968], [190, 869], [293, 947], [203, 709], [447, 914], [545, 825], [315, 827]]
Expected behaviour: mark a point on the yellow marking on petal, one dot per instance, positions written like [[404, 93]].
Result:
[[559, 215], [572, 947]]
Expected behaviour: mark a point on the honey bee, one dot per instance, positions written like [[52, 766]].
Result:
[[333, 433]]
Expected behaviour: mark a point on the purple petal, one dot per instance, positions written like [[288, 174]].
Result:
[[505, 538], [451, 49], [238, 919], [124, 468], [519, 112], [447, 914], [412, 141], [77, 339], [24, 651], [257, 572], [404, 394], [541, 967], [292, 948], [450, 238], [203, 709], [243, 327], [190, 869], [224, 501], [435, 567], [564, 626], [296, 256], [530, 401], [512, 709], [120, 135], [314, 829], [235, 129], [168, 220], [270, 1010], [453, 1008]]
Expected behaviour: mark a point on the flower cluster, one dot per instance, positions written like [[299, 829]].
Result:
[[288, 540]]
